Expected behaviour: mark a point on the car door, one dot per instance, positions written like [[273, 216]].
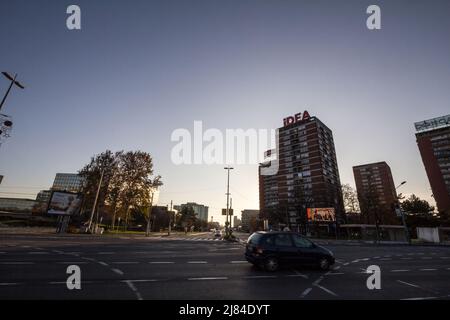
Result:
[[285, 249], [305, 250]]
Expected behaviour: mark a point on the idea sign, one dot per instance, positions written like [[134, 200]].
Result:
[[296, 118]]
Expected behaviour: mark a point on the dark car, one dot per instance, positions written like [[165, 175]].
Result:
[[272, 249]]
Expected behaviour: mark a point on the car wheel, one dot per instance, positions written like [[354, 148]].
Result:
[[324, 264], [271, 264]]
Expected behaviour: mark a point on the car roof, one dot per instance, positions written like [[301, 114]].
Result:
[[276, 232]]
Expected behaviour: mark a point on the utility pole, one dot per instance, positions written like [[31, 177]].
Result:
[[407, 236], [96, 199], [228, 200], [147, 233], [170, 218]]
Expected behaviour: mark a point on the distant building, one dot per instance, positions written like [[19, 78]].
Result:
[[376, 192], [70, 182], [433, 140], [161, 217], [236, 222], [43, 196], [249, 219], [200, 210], [18, 205]]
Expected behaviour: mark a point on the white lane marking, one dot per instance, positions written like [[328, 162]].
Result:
[[16, 262], [8, 284], [409, 284], [125, 262], [445, 257], [106, 253], [208, 278], [400, 270], [89, 259], [103, 263], [377, 257], [386, 259], [38, 252], [337, 268], [197, 262], [142, 280], [334, 273], [305, 293], [326, 290], [260, 277], [134, 289], [2, 252], [346, 264], [427, 269], [117, 271], [161, 262], [238, 261], [421, 298], [315, 283], [297, 275]]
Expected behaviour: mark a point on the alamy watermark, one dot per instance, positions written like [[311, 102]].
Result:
[[231, 146]]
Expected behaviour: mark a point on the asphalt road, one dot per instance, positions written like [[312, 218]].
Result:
[[34, 267]]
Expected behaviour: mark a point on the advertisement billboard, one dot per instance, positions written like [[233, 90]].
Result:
[[64, 203], [434, 123], [321, 214]]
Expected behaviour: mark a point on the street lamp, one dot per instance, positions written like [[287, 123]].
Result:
[[403, 216], [228, 200], [13, 82]]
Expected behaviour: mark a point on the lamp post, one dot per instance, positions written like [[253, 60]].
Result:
[[408, 238], [228, 200], [13, 82]]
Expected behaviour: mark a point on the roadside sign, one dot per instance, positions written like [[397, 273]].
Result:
[[224, 212]]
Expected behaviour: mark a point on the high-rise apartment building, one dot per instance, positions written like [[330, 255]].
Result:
[[71, 182], [307, 176], [433, 140]]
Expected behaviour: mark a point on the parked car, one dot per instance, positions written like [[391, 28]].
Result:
[[272, 249]]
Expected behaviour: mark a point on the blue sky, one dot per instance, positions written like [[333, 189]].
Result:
[[140, 69]]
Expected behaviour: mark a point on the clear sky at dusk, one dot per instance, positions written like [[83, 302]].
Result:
[[138, 70]]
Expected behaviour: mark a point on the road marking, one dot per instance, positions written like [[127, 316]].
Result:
[[161, 262], [8, 284], [72, 262], [427, 269], [445, 257], [260, 277], [2, 252], [142, 280], [423, 258], [400, 270], [297, 275], [305, 293], [18, 262], [134, 289], [197, 262], [422, 298], [125, 262], [377, 257], [208, 278], [326, 290], [337, 268], [334, 273], [38, 252], [409, 284], [106, 253], [315, 283], [103, 263], [117, 271], [346, 264], [238, 261], [406, 258], [386, 259]]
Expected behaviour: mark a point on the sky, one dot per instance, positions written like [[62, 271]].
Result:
[[138, 70]]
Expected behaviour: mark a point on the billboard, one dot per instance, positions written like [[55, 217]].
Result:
[[432, 123], [321, 214], [64, 203]]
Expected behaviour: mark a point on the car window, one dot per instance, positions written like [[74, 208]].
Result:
[[301, 242], [254, 238], [269, 240], [283, 240]]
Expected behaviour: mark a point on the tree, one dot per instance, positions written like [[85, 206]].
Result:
[[414, 205], [186, 218], [127, 183], [351, 204]]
